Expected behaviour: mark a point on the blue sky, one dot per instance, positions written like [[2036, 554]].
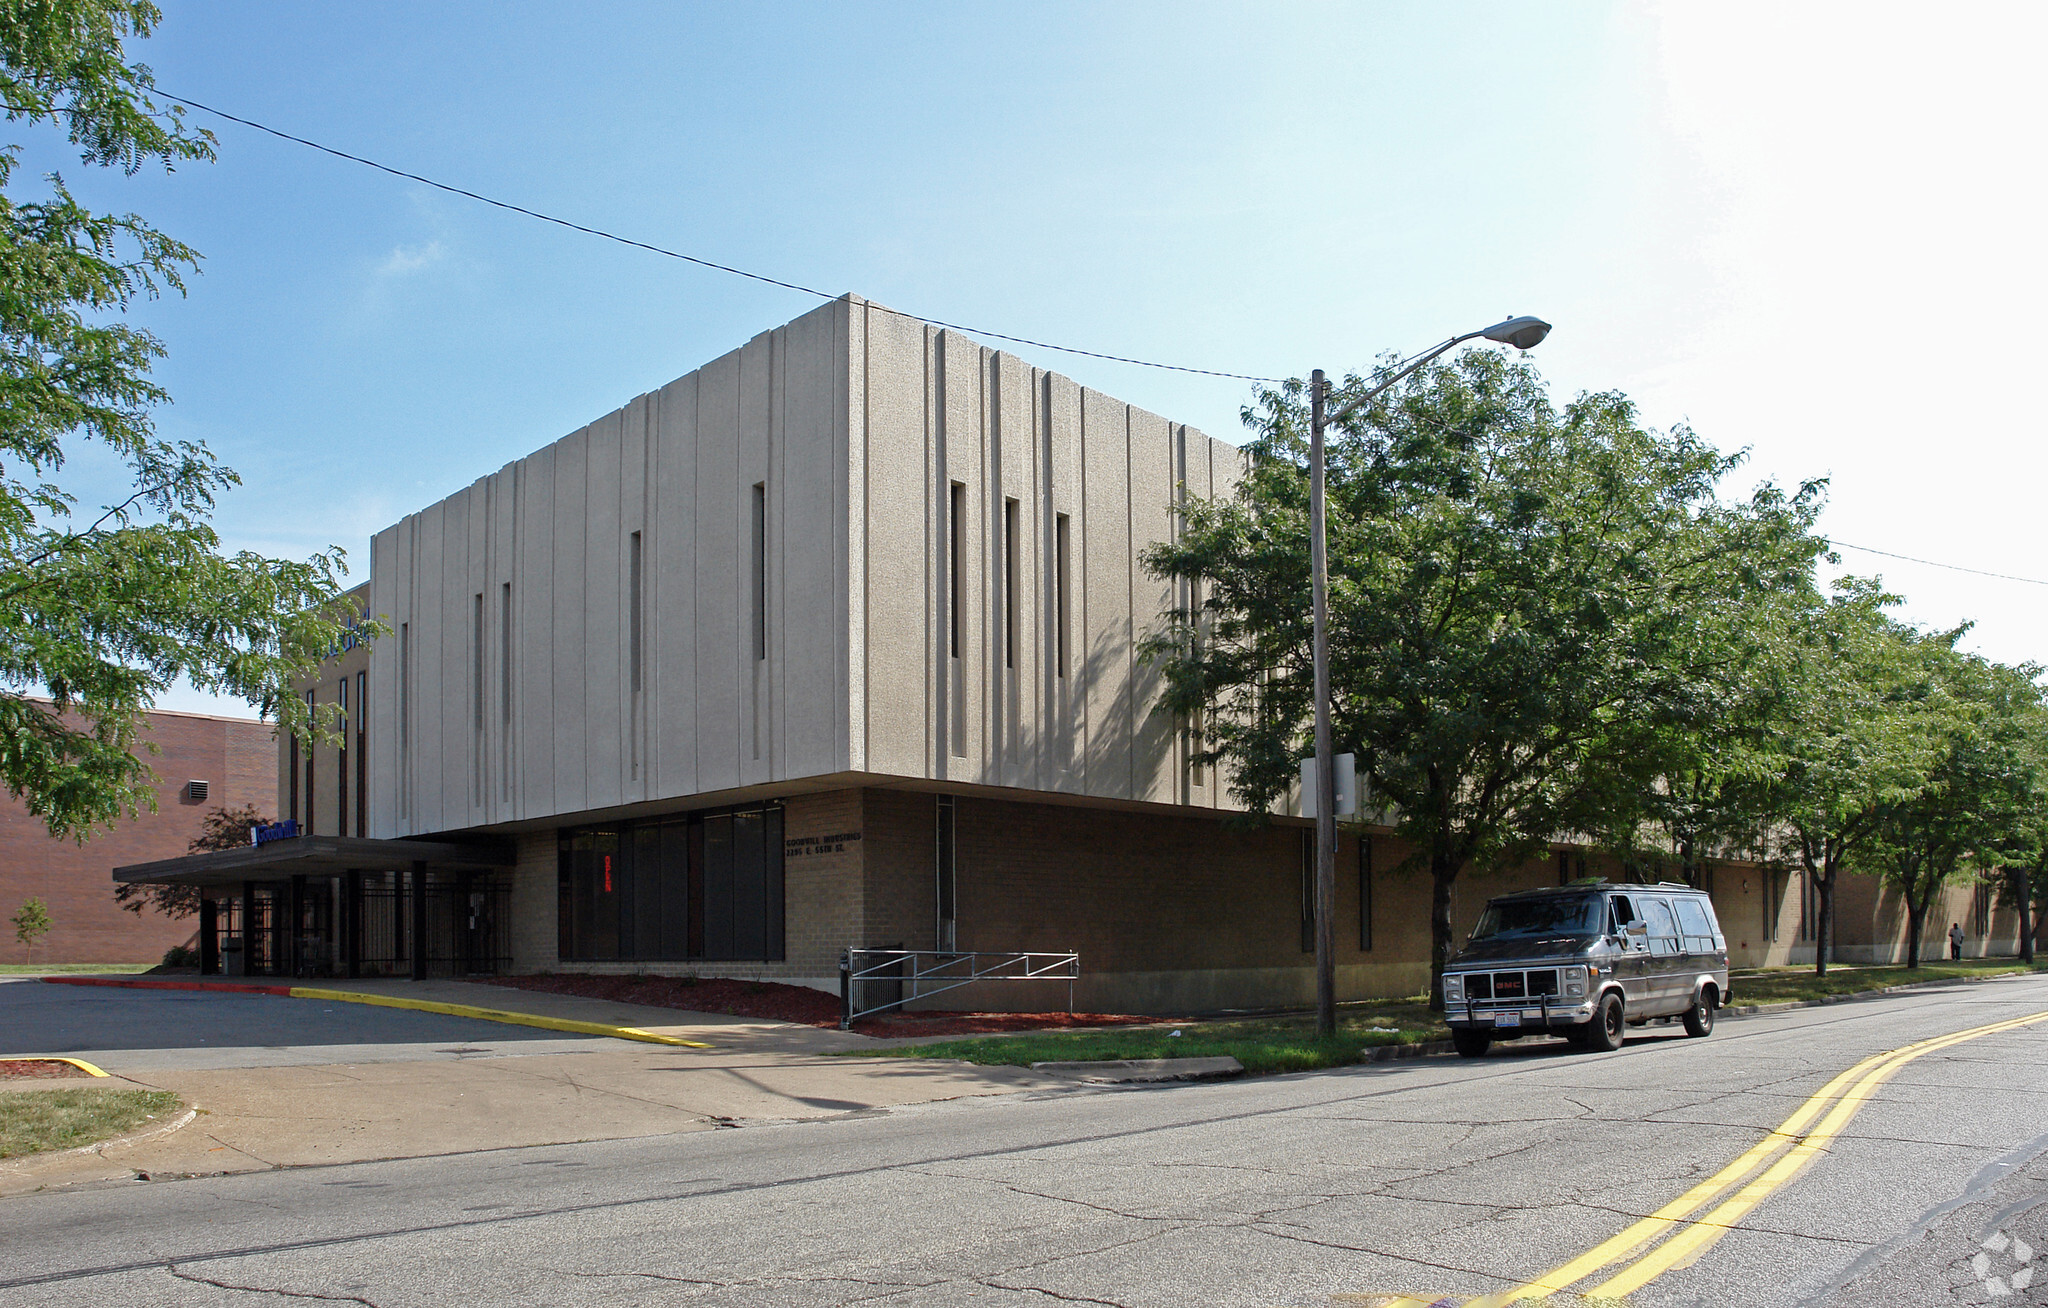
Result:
[[1810, 241]]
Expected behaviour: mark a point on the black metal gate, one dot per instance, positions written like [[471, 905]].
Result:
[[463, 918]]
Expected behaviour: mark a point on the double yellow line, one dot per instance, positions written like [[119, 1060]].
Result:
[[1792, 1145]]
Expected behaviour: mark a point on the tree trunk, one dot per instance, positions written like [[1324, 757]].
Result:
[[2023, 896], [1824, 935], [1916, 924], [1443, 871], [1812, 868]]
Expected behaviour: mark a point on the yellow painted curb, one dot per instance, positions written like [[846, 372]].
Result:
[[78, 1063], [495, 1015]]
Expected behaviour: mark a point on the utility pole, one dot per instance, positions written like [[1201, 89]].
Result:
[[1325, 899], [1523, 333]]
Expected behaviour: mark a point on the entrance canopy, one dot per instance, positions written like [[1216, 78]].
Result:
[[281, 860]]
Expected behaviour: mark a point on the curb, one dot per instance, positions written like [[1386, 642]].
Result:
[[1388, 1053], [570, 1025], [1787, 1005], [134, 1137], [1144, 1071], [78, 1063]]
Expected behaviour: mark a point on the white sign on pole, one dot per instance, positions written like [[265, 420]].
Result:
[[1347, 786]]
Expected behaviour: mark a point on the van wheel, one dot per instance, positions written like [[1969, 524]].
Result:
[[1470, 1042], [1604, 1032], [1699, 1019]]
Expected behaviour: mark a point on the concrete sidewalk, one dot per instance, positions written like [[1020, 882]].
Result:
[[464, 1098]]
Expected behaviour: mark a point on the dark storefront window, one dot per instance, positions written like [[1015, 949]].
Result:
[[700, 886]]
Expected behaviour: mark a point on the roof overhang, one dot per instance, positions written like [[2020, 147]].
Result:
[[281, 860]]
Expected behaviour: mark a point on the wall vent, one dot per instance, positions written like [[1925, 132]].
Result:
[[195, 791]]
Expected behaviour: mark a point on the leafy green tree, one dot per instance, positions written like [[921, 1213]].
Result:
[[98, 619], [1925, 837], [2015, 855], [1526, 605], [221, 828], [31, 923], [1851, 743], [1709, 797]]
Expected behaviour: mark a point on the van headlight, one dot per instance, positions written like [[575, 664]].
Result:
[[1454, 989], [1575, 982]]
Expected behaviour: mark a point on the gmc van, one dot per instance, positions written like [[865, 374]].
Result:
[[1586, 962]]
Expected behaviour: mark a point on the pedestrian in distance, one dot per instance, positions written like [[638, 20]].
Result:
[[1955, 940]]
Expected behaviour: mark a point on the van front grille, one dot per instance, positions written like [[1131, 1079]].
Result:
[[1511, 988]]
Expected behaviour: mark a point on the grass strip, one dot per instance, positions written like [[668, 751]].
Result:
[[36, 1121], [1776, 985], [1285, 1043]]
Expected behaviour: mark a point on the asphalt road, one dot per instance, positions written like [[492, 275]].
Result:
[[1437, 1176]]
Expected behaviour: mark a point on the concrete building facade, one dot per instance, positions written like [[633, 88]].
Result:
[[831, 643]]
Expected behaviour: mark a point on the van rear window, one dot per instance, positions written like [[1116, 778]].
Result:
[[1692, 920]]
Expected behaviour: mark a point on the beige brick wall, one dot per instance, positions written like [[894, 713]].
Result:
[[823, 841], [900, 871], [535, 944]]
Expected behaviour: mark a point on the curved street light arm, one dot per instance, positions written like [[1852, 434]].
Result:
[[1332, 419]]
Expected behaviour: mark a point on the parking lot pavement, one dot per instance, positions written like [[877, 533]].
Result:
[[139, 1030], [285, 1082]]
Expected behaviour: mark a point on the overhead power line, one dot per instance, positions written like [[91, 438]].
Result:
[[691, 258], [667, 253], [1952, 567]]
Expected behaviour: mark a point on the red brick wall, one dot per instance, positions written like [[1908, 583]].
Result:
[[238, 760]]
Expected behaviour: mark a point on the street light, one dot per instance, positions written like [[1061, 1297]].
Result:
[[1523, 333]]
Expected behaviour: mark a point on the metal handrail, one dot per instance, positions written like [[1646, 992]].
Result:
[[952, 968]]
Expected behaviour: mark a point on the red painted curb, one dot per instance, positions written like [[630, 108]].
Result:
[[233, 987]]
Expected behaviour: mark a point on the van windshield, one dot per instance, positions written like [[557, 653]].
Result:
[[1578, 915]]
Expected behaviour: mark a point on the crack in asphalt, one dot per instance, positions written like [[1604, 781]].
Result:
[[889, 1288], [1052, 1294], [652, 1276], [196, 1279], [1382, 1253]]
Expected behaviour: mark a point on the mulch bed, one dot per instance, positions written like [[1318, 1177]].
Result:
[[776, 1002], [38, 1068]]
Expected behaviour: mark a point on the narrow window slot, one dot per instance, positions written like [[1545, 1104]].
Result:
[[505, 654], [404, 719], [956, 564], [362, 753], [312, 703], [477, 698], [760, 571], [1011, 603], [1060, 533], [341, 760], [476, 660], [633, 623]]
